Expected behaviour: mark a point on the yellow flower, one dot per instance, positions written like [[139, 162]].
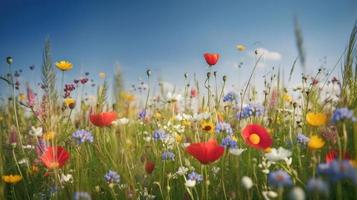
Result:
[[316, 142], [64, 65], [207, 126], [102, 75], [316, 119], [69, 102], [22, 97], [157, 115], [241, 47], [353, 163], [34, 169], [186, 122], [49, 135], [12, 179], [178, 138], [267, 150], [287, 98], [126, 96]]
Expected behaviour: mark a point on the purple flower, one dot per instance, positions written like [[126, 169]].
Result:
[[317, 185], [31, 97], [159, 135], [193, 176], [342, 114], [229, 97], [279, 179], [142, 114], [224, 127], [251, 110], [13, 136], [112, 177], [228, 142], [82, 196], [41, 147], [82, 136], [302, 139], [338, 170], [168, 155]]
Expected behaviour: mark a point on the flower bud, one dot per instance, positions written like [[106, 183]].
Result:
[[148, 72], [9, 60], [224, 78]]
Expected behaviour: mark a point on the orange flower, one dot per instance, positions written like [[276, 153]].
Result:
[[316, 119], [12, 179]]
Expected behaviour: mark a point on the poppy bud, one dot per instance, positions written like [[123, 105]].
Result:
[[149, 167], [215, 73], [224, 78], [148, 72], [186, 75], [9, 60], [208, 74]]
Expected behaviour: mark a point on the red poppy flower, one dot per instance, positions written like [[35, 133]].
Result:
[[193, 93], [206, 152], [149, 166], [257, 136], [333, 154], [54, 157], [211, 58], [103, 119]]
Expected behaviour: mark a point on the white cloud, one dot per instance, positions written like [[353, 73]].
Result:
[[268, 55]]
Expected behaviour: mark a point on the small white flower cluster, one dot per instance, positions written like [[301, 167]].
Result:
[[279, 154], [145, 194], [264, 166], [66, 178], [236, 151], [269, 195], [121, 121], [36, 131]]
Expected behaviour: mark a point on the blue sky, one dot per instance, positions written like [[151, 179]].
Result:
[[170, 36]]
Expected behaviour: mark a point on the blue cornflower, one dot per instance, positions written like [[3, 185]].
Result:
[[229, 97], [82, 196], [112, 177], [142, 114], [82, 136], [223, 127], [338, 170], [302, 139], [193, 176], [159, 135], [279, 179], [342, 114], [317, 185], [228, 142], [168, 155], [251, 110]]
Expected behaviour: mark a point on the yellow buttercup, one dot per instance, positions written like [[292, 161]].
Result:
[[64, 65], [316, 119], [12, 179]]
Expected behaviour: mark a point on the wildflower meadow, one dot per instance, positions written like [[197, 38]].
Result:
[[64, 138]]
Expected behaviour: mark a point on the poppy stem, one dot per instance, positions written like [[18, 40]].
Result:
[[246, 87]]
